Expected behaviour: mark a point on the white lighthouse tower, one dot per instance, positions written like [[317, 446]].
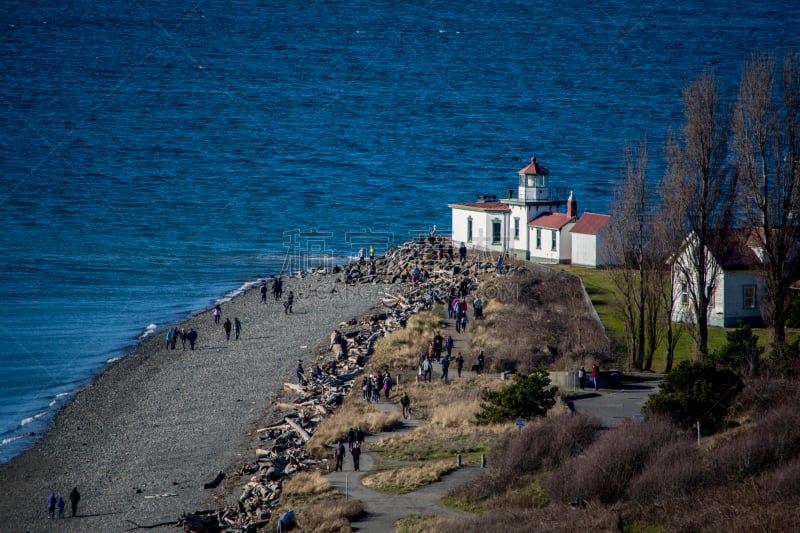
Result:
[[535, 196]]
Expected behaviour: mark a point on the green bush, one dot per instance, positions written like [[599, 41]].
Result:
[[528, 396], [696, 391], [742, 353]]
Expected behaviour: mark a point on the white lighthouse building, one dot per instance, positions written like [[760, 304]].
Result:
[[503, 225]]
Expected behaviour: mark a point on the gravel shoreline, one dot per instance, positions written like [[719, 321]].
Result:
[[142, 440]]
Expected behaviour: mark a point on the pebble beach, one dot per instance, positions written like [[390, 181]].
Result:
[[154, 427]]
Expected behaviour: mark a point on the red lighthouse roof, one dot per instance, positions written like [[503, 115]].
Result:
[[534, 168]]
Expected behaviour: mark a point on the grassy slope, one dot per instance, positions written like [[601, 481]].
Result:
[[601, 291]]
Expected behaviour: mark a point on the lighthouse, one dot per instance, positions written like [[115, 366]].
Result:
[[535, 196]]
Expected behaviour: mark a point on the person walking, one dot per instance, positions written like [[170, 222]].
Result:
[[299, 371], [387, 384], [427, 369], [227, 327], [60, 505], [595, 375], [191, 336], [459, 363], [183, 338], [74, 498], [277, 288], [237, 327], [51, 505], [448, 345], [263, 292], [445, 367], [477, 308], [217, 313], [582, 378], [462, 252], [356, 453], [480, 362], [405, 403], [287, 305], [339, 456]]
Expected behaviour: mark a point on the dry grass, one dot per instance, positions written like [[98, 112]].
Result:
[[538, 318], [306, 486], [449, 412], [329, 516], [401, 349], [317, 506], [354, 412], [417, 524], [408, 478]]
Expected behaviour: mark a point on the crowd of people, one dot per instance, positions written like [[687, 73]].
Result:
[[373, 385]]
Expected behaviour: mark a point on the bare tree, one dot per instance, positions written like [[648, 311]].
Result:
[[630, 231], [698, 190], [767, 148], [666, 245]]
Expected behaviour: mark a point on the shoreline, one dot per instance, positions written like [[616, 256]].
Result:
[[150, 429]]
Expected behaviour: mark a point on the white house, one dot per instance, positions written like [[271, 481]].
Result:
[[590, 241], [482, 225], [550, 239], [502, 226], [738, 290]]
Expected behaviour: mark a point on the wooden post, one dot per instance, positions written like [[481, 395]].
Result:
[[458, 461], [483, 460]]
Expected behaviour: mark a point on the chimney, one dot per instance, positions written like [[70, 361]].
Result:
[[572, 207]]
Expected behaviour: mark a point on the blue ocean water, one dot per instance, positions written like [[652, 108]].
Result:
[[158, 156]]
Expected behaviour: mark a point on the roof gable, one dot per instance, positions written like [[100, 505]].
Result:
[[482, 206], [551, 220], [590, 223]]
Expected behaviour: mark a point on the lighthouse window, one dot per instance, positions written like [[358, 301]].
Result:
[[553, 239], [495, 232], [469, 229], [538, 238], [516, 228]]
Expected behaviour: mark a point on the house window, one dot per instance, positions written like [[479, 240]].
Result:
[[516, 228], [749, 296], [538, 238], [469, 229], [684, 295], [495, 231], [553, 239]]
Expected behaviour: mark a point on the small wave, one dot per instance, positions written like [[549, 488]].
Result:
[[52, 404], [112, 360], [9, 440], [62, 394], [149, 330], [26, 421]]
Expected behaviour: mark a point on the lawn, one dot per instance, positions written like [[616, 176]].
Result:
[[601, 291]]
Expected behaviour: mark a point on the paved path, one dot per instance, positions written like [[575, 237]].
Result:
[[384, 510], [613, 406]]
